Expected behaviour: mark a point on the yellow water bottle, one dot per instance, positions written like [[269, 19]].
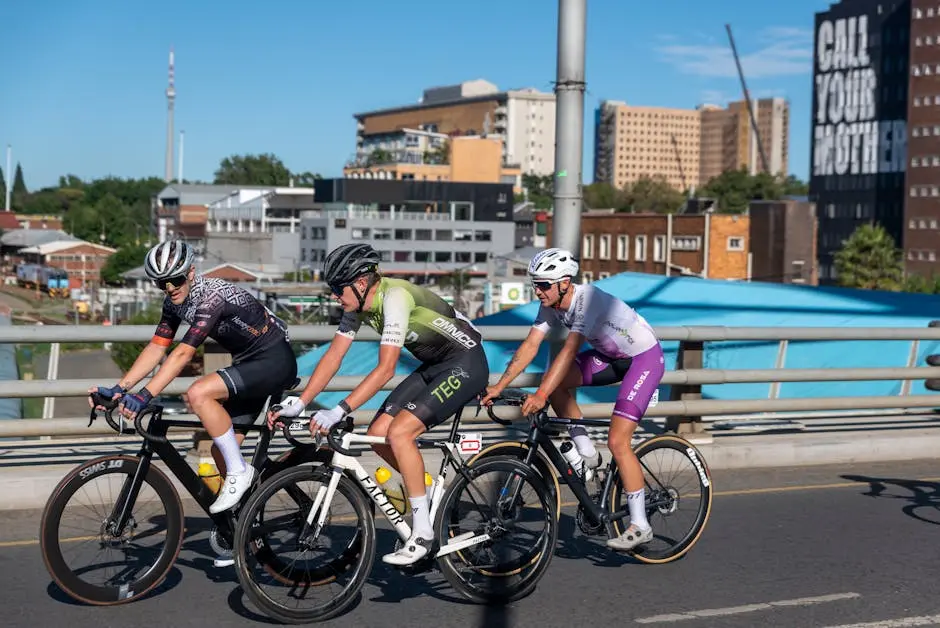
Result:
[[210, 475], [395, 496]]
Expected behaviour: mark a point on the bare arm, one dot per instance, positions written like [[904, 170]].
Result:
[[327, 367], [521, 358], [374, 381], [148, 360], [179, 357], [560, 365]]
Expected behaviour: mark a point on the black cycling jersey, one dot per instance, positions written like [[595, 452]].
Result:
[[217, 309]]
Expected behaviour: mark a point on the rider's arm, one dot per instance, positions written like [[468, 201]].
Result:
[[150, 357], [560, 365], [328, 365], [396, 311], [522, 357]]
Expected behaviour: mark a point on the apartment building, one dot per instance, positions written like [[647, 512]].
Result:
[[411, 154], [711, 246], [420, 228], [921, 235], [859, 129], [687, 146], [524, 119]]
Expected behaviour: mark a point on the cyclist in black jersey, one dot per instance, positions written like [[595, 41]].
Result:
[[453, 371], [262, 360]]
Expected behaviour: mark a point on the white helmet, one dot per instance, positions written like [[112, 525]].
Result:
[[168, 259], [553, 265]]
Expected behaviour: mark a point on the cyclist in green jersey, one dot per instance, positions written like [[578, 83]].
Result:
[[453, 371]]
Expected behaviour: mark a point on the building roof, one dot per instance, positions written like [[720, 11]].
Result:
[[56, 247], [528, 92], [202, 194], [34, 237]]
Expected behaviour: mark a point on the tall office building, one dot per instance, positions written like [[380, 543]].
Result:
[[859, 121]]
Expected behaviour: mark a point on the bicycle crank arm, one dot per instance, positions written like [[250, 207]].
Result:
[[462, 542]]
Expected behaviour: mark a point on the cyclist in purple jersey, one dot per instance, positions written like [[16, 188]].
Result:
[[624, 349], [263, 363]]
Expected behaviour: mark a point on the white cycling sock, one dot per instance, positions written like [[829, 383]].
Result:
[[231, 452], [421, 517], [637, 503], [582, 441]]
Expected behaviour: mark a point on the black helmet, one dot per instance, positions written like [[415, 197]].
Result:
[[348, 262]]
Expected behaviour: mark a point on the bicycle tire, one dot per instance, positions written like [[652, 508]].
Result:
[[500, 593], [540, 463], [51, 550], [691, 537], [365, 541]]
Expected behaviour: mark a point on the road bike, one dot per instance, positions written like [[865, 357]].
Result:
[[332, 551], [601, 512], [141, 547]]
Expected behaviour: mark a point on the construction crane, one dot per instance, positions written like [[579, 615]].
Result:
[[747, 100]]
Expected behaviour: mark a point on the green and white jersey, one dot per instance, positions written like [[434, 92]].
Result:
[[413, 317]]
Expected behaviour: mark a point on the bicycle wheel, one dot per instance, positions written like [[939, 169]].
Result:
[[540, 463], [667, 494], [143, 558], [261, 534], [485, 573]]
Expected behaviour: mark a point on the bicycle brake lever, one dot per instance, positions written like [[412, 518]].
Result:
[[91, 417]]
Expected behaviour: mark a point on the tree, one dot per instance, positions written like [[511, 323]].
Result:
[[19, 188], [602, 195], [126, 258], [539, 190], [793, 186], [652, 194], [870, 260], [263, 169]]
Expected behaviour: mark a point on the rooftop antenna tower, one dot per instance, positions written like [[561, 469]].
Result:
[[170, 98]]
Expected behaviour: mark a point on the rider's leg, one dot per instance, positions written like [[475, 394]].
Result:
[[565, 405], [379, 427], [402, 432], [636, 391], [206, 397]]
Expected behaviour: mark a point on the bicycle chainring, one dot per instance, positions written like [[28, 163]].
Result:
[[587, 524]]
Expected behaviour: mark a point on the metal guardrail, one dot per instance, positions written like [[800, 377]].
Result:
[[683, 411]]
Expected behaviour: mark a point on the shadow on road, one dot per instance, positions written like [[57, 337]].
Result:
[[923, 497]]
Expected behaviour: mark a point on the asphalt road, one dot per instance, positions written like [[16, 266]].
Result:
[[839, 546]]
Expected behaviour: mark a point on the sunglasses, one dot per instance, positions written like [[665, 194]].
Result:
[[543, 286], [338, 289], [176, 282]]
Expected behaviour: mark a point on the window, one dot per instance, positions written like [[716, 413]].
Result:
[[442, 256], [422, 256], [483, 236], [444, 235], [639, 251], [463, 235], [402, 234], [422, 234], [603, 249], [603, 275], [360, 234], [402, 256], [623, 247], [587, 276], [686, 243], [382, 234], [735, 243], [659, 248], [480, 257], [385, 256], [587, 246]]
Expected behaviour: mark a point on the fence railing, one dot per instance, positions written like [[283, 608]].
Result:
[[683, 410]]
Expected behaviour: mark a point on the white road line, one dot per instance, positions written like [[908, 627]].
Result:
[[760, 606], [901, 622]]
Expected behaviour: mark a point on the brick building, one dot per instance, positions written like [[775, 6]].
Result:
[[712, 246], [82, 260]]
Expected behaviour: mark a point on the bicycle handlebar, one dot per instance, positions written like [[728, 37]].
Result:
[[345, 425], [509, 397]]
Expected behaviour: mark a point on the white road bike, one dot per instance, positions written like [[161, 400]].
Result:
[[332, 554]]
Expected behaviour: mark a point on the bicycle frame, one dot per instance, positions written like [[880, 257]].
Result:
[[537, 438], [342, 462]]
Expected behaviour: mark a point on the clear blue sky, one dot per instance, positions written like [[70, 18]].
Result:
[[83, 82]]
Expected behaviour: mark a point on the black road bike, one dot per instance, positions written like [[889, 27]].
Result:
[[676, 476], [132, 512]]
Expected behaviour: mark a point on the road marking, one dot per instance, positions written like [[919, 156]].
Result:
[[747, 608], [901, 622]]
